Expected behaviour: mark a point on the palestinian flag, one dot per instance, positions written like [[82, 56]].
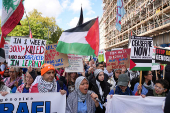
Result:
[[81, 40], [12, 12]]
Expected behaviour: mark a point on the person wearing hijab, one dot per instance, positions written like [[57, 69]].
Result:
[[99, 85], [81, 100], [29, 79]]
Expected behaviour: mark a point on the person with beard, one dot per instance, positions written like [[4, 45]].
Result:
[[99, 85], [81, 100], [4, 90], [47, 82]]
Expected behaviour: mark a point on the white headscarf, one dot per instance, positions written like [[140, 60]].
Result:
[[81, 96]]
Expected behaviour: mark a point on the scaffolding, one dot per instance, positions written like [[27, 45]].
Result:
[[142, 18]]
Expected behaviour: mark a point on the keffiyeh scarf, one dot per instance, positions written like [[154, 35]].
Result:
[[44, 86]]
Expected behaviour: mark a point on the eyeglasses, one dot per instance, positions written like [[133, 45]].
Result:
[[159, 88]]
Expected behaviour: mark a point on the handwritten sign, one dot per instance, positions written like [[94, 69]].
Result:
[[162, 56], [118, 59], [75, 63], [55, 58], [155, 66], [24, 52]]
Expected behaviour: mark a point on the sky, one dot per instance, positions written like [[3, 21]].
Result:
[[66, 12]]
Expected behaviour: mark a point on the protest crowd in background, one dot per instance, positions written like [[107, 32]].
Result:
[[96, 78], [72, 75]]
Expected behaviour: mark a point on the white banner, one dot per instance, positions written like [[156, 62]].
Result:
[[134, 104], [155, 66], [24, 52], [75, 63], [33, 103]]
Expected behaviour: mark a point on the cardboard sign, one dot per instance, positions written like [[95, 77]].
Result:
[[24, 52], [33, 103], [141, 53], [162, 56], [75, 63], [155, 66], [55, 58], [101, 58], [118, 59]]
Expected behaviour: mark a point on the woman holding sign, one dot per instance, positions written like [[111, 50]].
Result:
[[147, 83], [81, 100]]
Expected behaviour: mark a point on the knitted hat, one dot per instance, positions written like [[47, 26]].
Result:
[[97, 71], [123, 80], [45, 68]]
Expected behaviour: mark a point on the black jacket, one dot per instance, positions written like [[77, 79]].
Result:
[[167, 74], [93, 86], [167, 104]]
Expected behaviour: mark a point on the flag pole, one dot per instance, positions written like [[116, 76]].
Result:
[[140, 82], [28, 22]]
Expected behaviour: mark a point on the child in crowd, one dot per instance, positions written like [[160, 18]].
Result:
[[160, 88]]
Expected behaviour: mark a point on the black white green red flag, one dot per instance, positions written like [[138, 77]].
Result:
[[81, 40], [12, 12]]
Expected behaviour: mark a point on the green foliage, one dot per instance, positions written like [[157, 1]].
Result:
[[41, 27]]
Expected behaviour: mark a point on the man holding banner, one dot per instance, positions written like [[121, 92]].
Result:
[[46, 82]]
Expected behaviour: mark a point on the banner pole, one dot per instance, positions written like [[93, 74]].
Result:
[[164, 72], [140, 82], [156, 74]]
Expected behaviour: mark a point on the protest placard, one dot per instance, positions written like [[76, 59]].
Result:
[[6, 48], [75, 63], [24, 52], [134, 104], [141, 53], [162, 56], [55, 58], [118, 59], [155, 66], [33, 103], [101, 58]]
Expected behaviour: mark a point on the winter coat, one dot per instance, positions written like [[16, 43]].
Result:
[[167, 74], [93, 86], [167, 104]]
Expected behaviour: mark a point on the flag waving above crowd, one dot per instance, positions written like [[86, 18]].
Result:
[[12, 12], [81, 40]]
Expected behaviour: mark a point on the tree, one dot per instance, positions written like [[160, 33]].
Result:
[[41, 27]]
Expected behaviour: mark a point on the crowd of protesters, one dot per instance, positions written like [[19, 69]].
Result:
[[86, 91]]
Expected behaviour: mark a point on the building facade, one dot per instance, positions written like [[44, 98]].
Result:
[[143, 18], [102, 38]]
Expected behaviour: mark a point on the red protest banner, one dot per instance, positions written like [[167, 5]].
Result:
[[118, 59]]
